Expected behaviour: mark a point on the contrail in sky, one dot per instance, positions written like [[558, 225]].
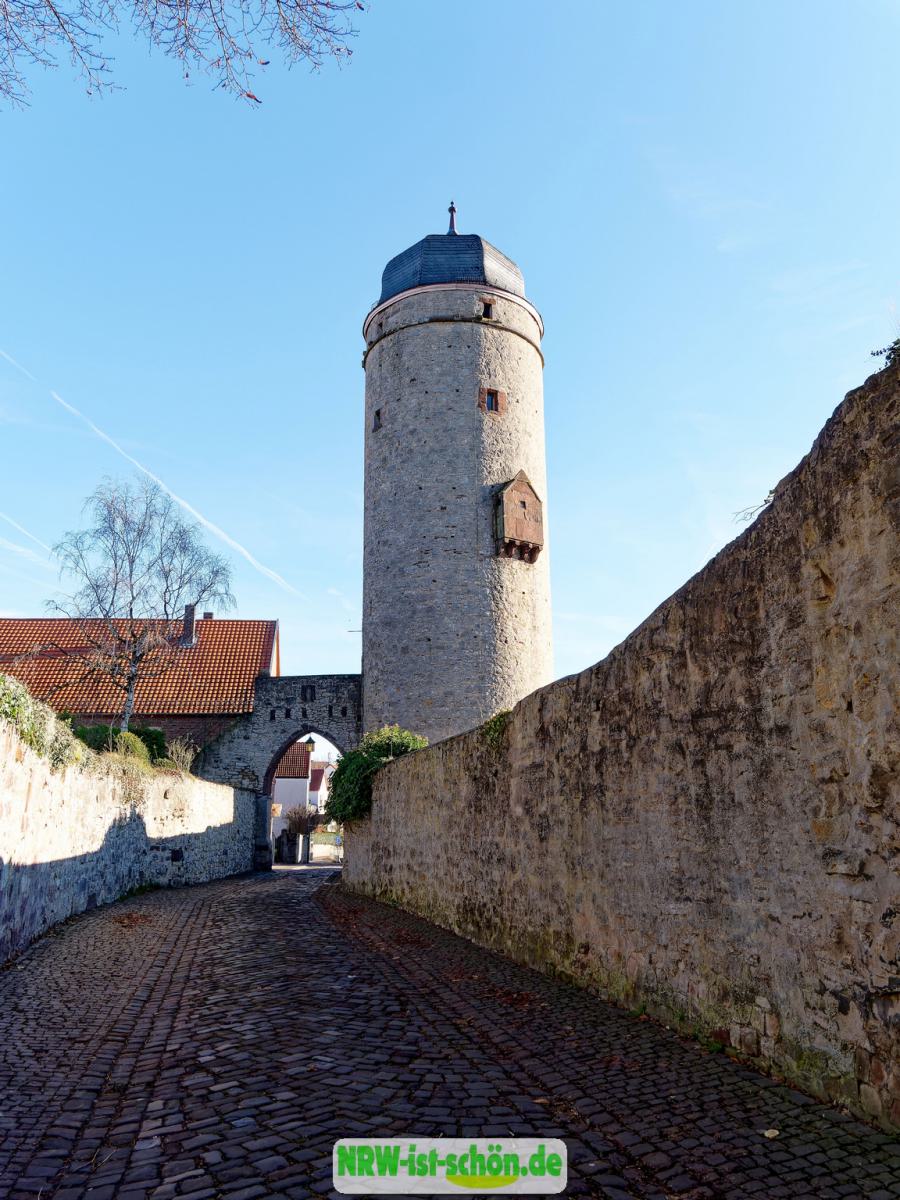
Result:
[[22, 529], [207, 524], [25, 553], [9, 358]]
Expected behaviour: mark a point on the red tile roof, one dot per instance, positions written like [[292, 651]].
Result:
[[315, 778], [294, 762], [214, 676]]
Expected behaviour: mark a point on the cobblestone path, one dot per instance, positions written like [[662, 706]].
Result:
[[215, 1041]]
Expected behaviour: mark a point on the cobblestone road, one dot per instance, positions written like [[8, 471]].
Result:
[[215, 1041]]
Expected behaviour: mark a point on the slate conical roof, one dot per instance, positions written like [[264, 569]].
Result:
[[450, 258]]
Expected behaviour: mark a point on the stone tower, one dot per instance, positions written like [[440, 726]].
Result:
[[456, 584]]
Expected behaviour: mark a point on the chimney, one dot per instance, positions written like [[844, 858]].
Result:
[[207, 616], [187, 632]]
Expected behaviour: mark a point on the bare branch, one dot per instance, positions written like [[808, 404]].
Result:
[[223, 38], [748, 514], [137, 567]]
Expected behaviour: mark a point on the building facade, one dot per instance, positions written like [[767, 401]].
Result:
[[456, 583], [206, 684]]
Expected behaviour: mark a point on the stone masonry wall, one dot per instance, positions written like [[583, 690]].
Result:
[[451, 631], [707, 822], [76, 839], [285, 708]]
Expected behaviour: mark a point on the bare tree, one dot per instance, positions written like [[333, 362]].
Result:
[[221, 37], [137, 567], [301, 821]]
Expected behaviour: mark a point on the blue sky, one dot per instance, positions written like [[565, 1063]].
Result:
[[703, 199]]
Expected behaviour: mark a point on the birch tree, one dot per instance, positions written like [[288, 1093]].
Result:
[[136, 568]]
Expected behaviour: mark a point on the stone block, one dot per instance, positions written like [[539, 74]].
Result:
[[750, 1042], [870, 1099]]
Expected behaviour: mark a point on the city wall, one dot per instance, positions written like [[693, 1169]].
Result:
[[705, 824], [73, 839]]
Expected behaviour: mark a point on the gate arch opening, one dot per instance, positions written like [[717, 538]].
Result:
[[303, 731], [285, 707], [246, 754], [297, 784]]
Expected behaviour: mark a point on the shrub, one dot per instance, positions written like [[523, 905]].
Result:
[[890, 354], [99, 737], [64, 749], [181, 753], [350, 795], [38, 727], [154, 740], [494, 729], [391, 742], [131, 746], [146, 745], [104, 737], [133, 769], [19, 707], [300, 820]]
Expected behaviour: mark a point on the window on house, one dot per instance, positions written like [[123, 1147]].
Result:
[[487, 310], [490, 401], [376, 420]]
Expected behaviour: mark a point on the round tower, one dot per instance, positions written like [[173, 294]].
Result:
[[456, 582]]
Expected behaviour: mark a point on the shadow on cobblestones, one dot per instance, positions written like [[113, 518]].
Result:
[[216, 1041]]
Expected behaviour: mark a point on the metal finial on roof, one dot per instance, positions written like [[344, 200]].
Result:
[[452, 211]]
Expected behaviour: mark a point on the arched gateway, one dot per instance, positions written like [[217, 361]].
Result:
[[285, 707]]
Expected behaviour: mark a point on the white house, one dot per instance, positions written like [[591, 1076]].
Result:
[[291, 787], [319, 780]]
